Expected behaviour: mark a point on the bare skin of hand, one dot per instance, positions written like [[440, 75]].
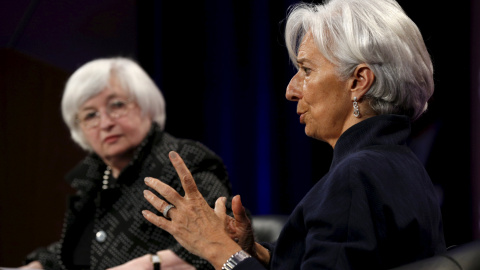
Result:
[[144, 263], [240, 228], [169, 261], [33, 265], [192, 222]]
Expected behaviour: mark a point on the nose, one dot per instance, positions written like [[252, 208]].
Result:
[[105, 120], [294, 89]]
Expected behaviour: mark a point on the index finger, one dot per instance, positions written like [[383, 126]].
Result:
[[188, 183]]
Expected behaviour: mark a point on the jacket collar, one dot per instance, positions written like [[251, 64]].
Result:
[[386, 129]]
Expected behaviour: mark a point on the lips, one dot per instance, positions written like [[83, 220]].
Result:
[[302, 117], [111, 138]]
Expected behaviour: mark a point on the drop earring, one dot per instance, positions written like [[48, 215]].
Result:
[[356, 111]]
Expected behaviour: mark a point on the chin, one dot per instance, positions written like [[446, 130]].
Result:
[[308, 132], [115, 151], [313, 135]]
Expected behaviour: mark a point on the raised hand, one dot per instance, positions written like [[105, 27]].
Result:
[[193, 223]]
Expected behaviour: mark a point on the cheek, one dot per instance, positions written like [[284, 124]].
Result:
[[137, 128], [87, 134], [314, 98], [93, 140]]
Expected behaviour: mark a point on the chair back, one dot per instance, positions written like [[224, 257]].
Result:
[[463, 257], [267, 227]]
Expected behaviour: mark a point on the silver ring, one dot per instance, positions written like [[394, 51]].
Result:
[[167, 208]]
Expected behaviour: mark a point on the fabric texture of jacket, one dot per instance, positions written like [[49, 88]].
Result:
[[116, 211], [376, 208]]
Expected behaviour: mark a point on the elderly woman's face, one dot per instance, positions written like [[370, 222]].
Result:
[[112, 124], [323, 99]]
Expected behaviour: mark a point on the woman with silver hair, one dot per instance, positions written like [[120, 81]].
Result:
[[364, 74], [117, 113]]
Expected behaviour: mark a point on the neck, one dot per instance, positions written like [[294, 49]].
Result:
[[116, 171], [118, 163], [117, 167]]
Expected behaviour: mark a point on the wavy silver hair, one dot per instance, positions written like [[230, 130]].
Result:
[[93, 77], [377, 33]]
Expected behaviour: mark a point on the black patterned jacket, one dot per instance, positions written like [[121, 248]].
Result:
[[116, 211]]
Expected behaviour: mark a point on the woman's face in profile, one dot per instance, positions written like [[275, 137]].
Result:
[[323, 99], [113, 124]]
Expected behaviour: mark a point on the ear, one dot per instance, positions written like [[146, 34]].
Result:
[[362, 79]]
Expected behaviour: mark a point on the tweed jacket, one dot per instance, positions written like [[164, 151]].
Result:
[[376, 208], [119, 232]]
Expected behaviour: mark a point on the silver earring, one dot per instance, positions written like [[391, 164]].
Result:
[[356, 111]]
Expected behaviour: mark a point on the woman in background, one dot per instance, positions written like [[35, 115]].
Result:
[[117, 114]]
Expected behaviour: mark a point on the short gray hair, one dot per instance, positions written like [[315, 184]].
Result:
[[377, 33], [93, 77]]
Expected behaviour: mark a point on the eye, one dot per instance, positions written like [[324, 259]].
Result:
[[117, 104], [89, 116], [306, 70]]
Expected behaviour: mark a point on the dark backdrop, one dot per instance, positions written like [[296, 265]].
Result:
[[223, 68]]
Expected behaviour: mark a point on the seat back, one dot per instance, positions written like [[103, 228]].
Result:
[[463, 257], [267, 227]]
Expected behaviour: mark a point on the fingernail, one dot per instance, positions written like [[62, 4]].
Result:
[[173, 155], [224, 199], [145, 193], [145, 213], [147, 180]]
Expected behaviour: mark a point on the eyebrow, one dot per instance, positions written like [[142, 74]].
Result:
[[303, 60], [109, 97], [86, 108]]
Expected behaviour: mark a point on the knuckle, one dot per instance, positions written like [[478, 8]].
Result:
[[187, 178], [168, 193], [156, 184]]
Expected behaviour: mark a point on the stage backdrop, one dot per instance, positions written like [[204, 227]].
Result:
[[223, 68]]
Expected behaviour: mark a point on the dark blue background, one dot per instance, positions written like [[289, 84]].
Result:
[[223, 68]]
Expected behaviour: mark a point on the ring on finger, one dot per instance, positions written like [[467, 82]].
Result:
[[167, 208]]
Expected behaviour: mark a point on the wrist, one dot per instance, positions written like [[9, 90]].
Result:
[[156, 262], [262, 254], [235, 259], [218, 255]]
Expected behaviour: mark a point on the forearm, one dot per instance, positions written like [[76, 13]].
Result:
[[33, 265]]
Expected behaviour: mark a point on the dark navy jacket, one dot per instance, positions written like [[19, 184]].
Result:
[[376, 208]]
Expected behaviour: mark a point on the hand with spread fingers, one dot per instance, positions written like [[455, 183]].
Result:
[[204, 231]]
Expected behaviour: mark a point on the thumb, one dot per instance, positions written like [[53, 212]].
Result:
[[239, 211], [221, 212], [220, 209]]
